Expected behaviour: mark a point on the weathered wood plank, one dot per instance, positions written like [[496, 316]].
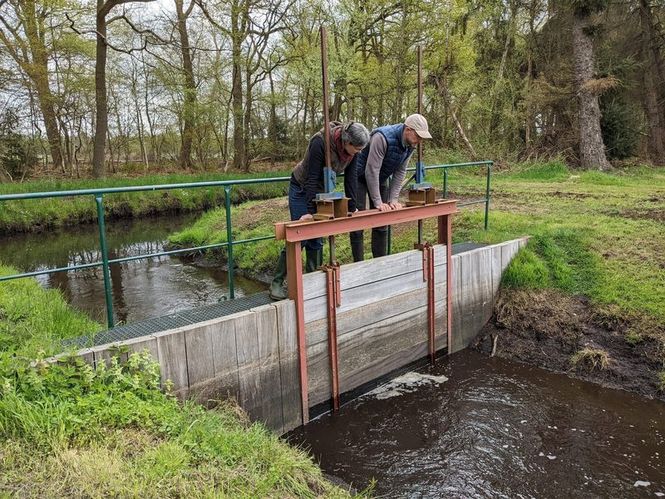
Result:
[[223, 383], [200, 360], [357, 318], [270, 383], [371, 271], [476, 296], [508, 251], [288, 364], [457, 300], [173, 359], [247, 343], [362, 296], [370, 352], [495, 255]]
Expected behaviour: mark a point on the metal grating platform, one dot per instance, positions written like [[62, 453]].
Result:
[[172, 321], [463, 247]]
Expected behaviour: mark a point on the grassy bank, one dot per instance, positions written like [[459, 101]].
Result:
[[68, 430], [32, 215], [593, 235]]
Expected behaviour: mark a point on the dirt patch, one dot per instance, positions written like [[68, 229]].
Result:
[[560, 333], [656, 214]]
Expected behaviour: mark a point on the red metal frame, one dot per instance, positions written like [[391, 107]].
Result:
[[333, 295], [295, 232]]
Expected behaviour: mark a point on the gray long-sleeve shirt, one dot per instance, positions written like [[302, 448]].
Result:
[[377, 151]]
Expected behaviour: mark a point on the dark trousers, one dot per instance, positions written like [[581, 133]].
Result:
[[379, 234], [298, 208]]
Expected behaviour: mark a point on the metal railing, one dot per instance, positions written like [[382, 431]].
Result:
[[227, 185]]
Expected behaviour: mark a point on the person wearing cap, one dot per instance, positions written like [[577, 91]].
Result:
[[307, 180], [381, 171]]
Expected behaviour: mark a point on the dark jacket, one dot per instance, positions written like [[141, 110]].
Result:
[[396, 152]]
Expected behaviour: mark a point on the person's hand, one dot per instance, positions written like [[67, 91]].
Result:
[[306, 217], [384, 207], [396, 205]]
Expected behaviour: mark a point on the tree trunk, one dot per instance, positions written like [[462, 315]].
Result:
[[236, 89], [38, 72], [651, 77], [189, 103], [592, 148], [101, 104]]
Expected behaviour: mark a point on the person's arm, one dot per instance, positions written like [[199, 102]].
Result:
[[351, 183], [396, 182], [314, 169], [377, 151]]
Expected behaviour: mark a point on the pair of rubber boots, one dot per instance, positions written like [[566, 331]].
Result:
[[278, 288]]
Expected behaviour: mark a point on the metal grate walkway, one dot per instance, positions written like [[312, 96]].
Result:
[[172, 321]]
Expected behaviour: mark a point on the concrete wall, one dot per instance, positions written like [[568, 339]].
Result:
[[382, 325]]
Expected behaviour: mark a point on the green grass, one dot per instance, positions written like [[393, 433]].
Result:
[[26, 215], [33, 321], [68, 429]]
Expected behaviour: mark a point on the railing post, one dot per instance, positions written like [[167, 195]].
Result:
[[105, 260], [445, 183], [229, 239], [487, 195]]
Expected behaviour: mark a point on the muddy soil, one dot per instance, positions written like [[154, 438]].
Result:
[[547, 329]]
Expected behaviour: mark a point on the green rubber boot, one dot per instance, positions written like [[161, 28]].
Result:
[[313, 260], [278, 289]]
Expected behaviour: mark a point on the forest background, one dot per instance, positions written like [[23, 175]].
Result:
[[109, 87]]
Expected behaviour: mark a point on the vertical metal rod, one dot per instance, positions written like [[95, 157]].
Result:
[[420, 109], [487, 195], [324, 75], [331, 295], [326, 127], [419, 169], [445, 183], [229, 240], [105, 261], [296, 293], [431, 304]]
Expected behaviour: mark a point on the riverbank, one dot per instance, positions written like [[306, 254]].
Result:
[[596, 238], [70, 430]]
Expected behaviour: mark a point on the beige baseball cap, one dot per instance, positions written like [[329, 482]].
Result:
[[418, 124]]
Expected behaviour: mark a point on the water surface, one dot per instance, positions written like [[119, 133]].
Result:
[[494, 428], [141, 288]]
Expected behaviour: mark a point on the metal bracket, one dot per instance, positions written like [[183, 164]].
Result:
[[334, 300], [428, 276]]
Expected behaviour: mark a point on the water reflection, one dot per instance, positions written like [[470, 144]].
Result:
[[142, 288]]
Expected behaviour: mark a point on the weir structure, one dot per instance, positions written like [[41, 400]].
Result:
[[294, 233]]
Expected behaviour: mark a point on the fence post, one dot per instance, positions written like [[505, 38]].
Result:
[[229, 239], [487, 194], [105, 261]]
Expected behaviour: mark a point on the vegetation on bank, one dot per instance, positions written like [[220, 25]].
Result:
[[32, 215], [68, 429], [597, 235]]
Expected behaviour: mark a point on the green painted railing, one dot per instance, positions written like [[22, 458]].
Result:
[[227, 185]]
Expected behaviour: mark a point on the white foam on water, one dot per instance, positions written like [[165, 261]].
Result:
[[640, 483], [407, 383]]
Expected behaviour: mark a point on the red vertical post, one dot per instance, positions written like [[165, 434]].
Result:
[[331, 295], [445, 237], [431, 304], [294, 274]]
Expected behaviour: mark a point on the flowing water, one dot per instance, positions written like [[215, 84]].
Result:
[[141, 288], [486, 427]]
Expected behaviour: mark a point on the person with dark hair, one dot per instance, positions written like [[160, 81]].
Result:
[[307, 180], [381, 171]]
